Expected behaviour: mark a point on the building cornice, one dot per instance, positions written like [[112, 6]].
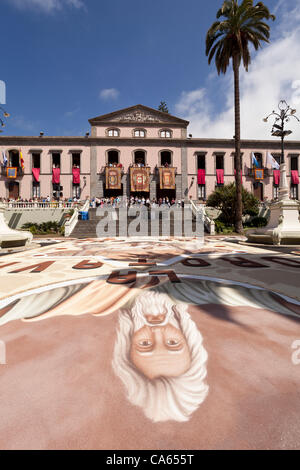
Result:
[[138, 124], [201, 143]]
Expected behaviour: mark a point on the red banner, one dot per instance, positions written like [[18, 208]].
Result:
[[295, 177], [167, 178], [140, 179], [56, 175], [201, 176], [113, 177], [220, 176], [276, 176], [36, 174], [76, 175]]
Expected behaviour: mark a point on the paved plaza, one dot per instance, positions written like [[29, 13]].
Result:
[[150, 344]]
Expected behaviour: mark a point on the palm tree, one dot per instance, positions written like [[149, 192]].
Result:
[[243, 24]]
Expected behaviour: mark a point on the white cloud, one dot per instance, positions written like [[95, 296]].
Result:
[[22, 123], [109, 94], [47, 6], [274, 74], [72, 113]]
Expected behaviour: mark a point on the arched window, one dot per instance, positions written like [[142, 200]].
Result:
[[112, 157], [140, 158], [165, 133], [165, 158], [139, 133], [14, 158], [113, 132]]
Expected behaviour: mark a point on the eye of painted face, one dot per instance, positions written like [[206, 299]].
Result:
[[173, 342], [145, 343]]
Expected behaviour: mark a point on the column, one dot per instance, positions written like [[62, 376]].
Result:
[[184, 176], [93, 173], [178, 187], [153, 186], [125, 184]]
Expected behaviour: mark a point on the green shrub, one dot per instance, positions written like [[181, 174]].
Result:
[[221, 227], [258, 222], [224, 199], [43, 228]]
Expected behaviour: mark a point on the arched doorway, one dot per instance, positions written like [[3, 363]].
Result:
[[140, 157], [112, 162], [112, 157], [165, 158], [165, 162], [258, 190], [13, 190]]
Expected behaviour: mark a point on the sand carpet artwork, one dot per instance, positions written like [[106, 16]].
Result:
[[149, 344]]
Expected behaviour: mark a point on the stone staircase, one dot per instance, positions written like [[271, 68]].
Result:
[[88, 228]]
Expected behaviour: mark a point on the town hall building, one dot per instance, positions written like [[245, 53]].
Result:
[[138, 151]]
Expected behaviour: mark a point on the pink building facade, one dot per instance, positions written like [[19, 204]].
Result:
[[175, 165]]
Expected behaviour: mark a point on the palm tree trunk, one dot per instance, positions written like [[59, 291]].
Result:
[[237, 139]]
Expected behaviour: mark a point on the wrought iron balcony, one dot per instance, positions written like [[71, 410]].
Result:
[[12, 172], [258, 173]]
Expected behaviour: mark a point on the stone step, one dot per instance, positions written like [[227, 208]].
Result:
[[88, 228]]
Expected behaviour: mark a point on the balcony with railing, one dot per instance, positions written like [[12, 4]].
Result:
[[258, 173], [12, 172]]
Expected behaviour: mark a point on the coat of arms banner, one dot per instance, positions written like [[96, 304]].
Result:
[[113, 178], [140, 179], [167, 178]]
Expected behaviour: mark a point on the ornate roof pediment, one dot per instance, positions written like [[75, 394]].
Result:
[[138, 114]]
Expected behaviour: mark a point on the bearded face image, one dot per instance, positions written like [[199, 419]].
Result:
[[160, 358]]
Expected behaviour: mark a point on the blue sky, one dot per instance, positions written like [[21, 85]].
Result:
[[65, 61]]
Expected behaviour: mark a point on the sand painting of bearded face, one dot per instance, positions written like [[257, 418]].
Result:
[[166, 341]]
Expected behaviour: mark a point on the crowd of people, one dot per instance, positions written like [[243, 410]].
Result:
[[133, 201], [44, 200]]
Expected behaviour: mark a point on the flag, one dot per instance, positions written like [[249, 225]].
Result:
[[21, 160], [254, 160], [272, 161], [4, 158]]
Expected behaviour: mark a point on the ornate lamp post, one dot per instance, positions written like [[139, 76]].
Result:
[[284, 115], [284, 224]]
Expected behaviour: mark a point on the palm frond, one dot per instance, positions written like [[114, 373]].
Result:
[[244, 24]]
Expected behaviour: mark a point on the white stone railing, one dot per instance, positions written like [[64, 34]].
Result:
[[208, 223], [12, 205], [72, 222]]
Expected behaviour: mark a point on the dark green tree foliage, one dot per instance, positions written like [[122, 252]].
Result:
[[243, 24], [163, 107], [224, 199]]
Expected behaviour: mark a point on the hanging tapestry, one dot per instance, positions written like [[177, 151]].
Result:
[[167, 178], [113, 178], [140, 179]]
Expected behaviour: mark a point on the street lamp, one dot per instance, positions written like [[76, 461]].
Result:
[[281, 117]]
